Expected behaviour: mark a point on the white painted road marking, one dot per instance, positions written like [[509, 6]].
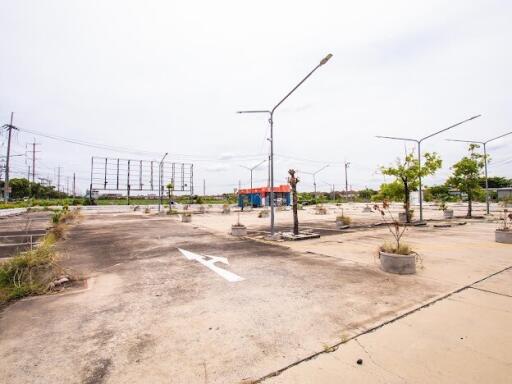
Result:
[[209, 262]]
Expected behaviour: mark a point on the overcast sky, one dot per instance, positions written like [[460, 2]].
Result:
[[168, 76]]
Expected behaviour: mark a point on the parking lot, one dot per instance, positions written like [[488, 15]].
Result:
[[154, 308]]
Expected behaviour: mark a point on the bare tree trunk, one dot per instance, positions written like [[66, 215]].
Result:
[[292, 180], [407, 204], [470, 204]]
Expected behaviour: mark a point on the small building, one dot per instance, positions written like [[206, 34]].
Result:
[[259, 197], [504, 193]]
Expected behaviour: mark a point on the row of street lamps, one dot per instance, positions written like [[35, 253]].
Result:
[[271, 112]]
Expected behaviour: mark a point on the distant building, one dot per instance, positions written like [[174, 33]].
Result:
[[504, 193], [259, 197]]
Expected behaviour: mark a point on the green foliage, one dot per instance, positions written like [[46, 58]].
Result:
[[366, 194], [466, 175], [393, 191], [438, 193], [408, 173], [495, 182], [22, 188]]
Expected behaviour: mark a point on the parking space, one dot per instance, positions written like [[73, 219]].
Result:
[[151, 312]]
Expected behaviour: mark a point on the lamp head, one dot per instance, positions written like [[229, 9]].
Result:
[[326, 59]]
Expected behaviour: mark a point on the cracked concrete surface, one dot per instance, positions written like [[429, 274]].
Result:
[[150, 315]]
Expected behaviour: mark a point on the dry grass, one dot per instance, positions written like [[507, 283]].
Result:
[[345, 220], [31, 272], [402, 249]]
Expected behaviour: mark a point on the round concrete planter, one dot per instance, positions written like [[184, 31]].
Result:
[[186, 218], [341, 225], [367, 209], [399, 264], [504, 237], [238, 230], [448, 213], [402, 218], [226, 210]]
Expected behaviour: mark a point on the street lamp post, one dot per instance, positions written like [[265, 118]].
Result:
[[484, 143], [251, 169], [418, 142], [271, 121], [314, 176], [160, 181]]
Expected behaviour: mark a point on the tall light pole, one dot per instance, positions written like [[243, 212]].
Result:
[[251, 169], [160, 181], [314, 175], [347, 164], [419, 153], [484, 143], [271, 121]]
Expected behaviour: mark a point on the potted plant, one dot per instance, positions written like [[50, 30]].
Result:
[[396, 257], [447, 213], [226, 209], [405, 217], [263, 213], [342, 221], [504, 231], [320, 210], [186, 217], [238, 229]]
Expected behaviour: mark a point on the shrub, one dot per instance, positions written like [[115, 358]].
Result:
[[345, 220], [401, 249]]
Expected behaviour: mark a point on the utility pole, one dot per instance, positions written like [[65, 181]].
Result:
[[34, 160], [9, 128], [347, 164], [204, 187], [74, 184], [28, 173], [58, 179]]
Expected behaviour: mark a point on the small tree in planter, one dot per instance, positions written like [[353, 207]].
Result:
[[342, 221], [293, 180], [238, 229], [396, 257], [408, 173], [186, 217], [447, 213], [466, 175], [504, 230]]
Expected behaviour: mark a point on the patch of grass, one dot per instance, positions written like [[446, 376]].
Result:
[[345, 220], [31, 272], [403, 249]]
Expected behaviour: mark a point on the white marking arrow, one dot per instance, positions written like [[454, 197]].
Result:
[[209, 262]]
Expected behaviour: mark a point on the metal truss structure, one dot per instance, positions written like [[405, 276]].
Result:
[[111, 174]]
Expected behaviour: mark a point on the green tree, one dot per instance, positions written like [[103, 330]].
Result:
[[408, 172], [466, 175], [495, 182], [393, 191], [366, 194], [170, 188], [20, 188]]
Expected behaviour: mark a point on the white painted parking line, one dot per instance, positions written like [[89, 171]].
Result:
[[209, 262]]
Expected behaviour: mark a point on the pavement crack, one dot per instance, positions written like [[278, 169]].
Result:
[[493, 292], [375, 363]]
